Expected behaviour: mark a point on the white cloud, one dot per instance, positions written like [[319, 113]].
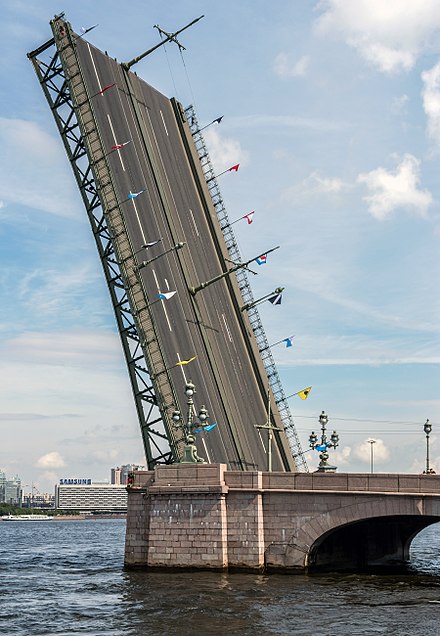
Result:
[[224, 152], [314, 184], [32, 154], [284, 68], [104, 456], [53, 292], [389, 34], [73, 348], [399, 103], [431, 102], [378, 449], [396, 190], [46, 480], [286, 121], [50, 460]]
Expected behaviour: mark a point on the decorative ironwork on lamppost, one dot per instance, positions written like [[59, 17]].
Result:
[[427, 427], [324, 445], [190, 450]]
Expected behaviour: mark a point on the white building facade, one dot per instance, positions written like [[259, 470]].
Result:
[[89, 497]]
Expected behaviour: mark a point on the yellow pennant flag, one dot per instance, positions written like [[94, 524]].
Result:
[[304, 394], [185, 361]]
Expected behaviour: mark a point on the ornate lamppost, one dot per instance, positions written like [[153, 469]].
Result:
[[324, 445], [190, 450], [427, 427]]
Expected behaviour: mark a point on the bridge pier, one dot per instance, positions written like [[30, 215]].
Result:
[[206, 517]]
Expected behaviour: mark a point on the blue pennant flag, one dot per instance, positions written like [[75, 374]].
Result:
[[205, 428], [133, 195], [321, 447]]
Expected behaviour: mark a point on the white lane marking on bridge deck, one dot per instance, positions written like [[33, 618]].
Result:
[[261, 440], [194, 222], [206, 451], [94, 68], [115, 140], [144, 240], [167, 284], [179, 359], [164, 301], [163, 121], [227, 328]]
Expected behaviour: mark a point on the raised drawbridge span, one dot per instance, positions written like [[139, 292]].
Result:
[[145, 177]]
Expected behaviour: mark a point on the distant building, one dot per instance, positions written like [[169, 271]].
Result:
[[119, 475], [90, 497], [10, 490], [43, 500]]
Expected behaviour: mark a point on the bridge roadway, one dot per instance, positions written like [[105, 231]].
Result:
[[176, 207]]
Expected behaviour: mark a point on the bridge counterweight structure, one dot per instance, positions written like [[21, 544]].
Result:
[[234, 363]]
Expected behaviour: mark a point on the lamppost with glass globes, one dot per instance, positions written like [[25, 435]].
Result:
[[190, 455], [324, 466], [427, 428]]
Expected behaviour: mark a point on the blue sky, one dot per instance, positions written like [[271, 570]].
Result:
[[332, 109]]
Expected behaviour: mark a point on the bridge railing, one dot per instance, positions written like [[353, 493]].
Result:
[[202, 477], [246, 291]]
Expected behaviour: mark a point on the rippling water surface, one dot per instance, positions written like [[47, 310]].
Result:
[[67, 577]]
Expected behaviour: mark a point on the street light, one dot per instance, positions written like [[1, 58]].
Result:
[[371, 442], [190, 450], [427, 427], [174, 248], [324, 466]]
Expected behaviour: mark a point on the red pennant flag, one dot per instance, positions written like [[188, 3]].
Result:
[[106, 88], [249, 217], [234, 168], [118, 146]]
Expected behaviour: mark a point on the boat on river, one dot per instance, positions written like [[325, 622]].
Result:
[[25, 518]]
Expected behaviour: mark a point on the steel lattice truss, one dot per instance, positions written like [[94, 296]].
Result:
[[160, 446]]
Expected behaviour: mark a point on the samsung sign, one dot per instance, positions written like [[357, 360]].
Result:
[[75, 482]]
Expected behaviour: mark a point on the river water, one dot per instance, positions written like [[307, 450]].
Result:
[[67, 577]]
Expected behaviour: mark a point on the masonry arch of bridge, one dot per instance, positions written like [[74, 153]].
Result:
[[362, 535], [378, 543]]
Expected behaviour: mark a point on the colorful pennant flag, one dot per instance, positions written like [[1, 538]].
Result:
[[321, 447], [261, 260], [234, 168], [117, 146], [133, 195], [185, 361], [249, 217], [166, 295], [105, 89], [275, 299], [85, 30], [205, 428], [288, 341], [304, 394]]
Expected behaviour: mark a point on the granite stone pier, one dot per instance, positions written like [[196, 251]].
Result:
[[207, 517]]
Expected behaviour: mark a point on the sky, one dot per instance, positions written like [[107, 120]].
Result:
[[332, 109]]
